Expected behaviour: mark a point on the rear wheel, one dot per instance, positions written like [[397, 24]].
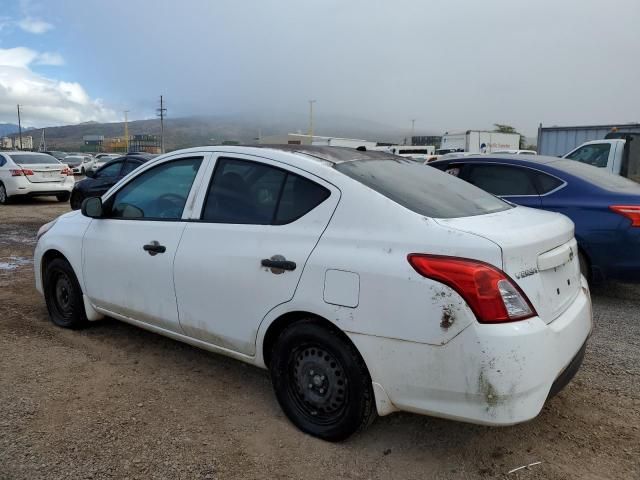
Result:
[[63, 295], [63, 197], [4, 198], [321, 382]]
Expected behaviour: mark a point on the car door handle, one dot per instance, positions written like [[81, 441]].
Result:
[[278, 264], [154, 248]]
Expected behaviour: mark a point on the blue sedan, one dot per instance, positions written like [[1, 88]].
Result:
[[604, 207]]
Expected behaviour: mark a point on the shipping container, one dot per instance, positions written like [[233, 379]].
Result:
[[558, 141]]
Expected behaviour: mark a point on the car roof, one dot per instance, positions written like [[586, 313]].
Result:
[[315, 153]]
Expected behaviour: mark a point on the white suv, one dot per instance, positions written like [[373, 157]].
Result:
[[33, 174], [364, 282]]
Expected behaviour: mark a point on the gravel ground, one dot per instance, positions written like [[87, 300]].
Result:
[[113, 401]]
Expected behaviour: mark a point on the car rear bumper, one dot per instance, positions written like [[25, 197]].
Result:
[[22, 186], [488, 374]]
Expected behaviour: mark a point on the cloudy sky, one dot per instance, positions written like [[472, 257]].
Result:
[[449, 64]]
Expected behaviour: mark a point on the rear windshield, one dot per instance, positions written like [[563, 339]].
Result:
[[33, 159], [599, 177], [422, 189]]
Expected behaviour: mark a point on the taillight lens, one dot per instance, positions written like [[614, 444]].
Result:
[[632, 212], [20, 172], [489, 292], [67, 171]]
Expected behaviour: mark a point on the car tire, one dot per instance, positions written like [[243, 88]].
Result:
[[82, 171], [63, 295], [75, 201], [63, 197], [4, 198], [321, 381], [585, 269]]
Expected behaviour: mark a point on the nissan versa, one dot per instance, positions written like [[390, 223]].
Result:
[[365, 283]]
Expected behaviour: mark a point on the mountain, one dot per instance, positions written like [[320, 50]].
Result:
[[8, 129], [207, 130]]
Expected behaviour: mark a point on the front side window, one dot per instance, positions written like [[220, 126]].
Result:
[[245, 192], [502, 180], [111, 170], [158, 193], [596, 154]]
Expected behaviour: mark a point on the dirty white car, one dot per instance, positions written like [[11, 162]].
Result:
[[365, 283]]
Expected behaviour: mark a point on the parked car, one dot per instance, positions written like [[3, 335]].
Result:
[[605, 208], [80, 164], [30, 174], [57, 154], [618, 153], [366, 283], [516, 152], [97, 183], [102, 158]]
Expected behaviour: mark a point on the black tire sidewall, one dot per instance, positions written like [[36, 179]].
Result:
[[78, 318], [360, 406], [63, 197], [6, 197]]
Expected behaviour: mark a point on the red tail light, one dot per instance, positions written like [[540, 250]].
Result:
[[632, 212], [67, 171], [21, 172], [489, 292]]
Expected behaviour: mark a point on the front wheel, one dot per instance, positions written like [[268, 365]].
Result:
[[321, 381], [63, 197], [63, 295], [76, 201]]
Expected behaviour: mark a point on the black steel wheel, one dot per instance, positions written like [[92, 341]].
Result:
[[321, 381], [63, 295]]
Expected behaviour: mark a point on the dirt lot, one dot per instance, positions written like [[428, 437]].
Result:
[[114, 401]]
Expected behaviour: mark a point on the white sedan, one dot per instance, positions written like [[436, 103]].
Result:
[[364, 282], [30, 174]]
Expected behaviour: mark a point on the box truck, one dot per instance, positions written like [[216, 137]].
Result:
[[478, 141]]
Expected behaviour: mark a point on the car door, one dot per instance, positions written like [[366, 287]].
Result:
[[244, 255], [128, 255], [511, 182]]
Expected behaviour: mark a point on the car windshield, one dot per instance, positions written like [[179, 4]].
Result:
[[422, 189], [595, 175], [33, 159]]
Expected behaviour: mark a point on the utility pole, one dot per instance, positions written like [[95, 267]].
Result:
[[161, 113], [413, 129], [126, 130], [19, 127], [43, 142], [311, 102]]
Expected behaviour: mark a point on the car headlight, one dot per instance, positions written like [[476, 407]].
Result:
[[45, 228]]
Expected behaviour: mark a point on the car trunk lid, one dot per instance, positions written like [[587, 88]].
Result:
[[45, 172], [539, 253]]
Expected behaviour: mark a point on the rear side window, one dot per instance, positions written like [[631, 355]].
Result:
[[245, 192], [130, 166], [502, 180], [422, 189], [546, 183]]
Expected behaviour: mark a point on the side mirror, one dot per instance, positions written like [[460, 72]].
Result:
[[92, 207]]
